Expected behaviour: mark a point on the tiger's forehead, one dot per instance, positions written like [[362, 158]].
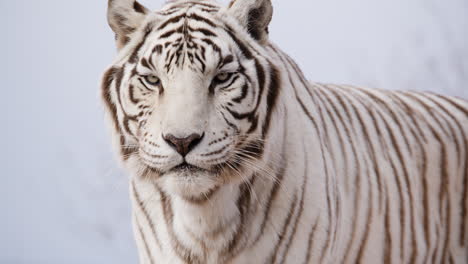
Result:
[[187, 33], [183, 17]]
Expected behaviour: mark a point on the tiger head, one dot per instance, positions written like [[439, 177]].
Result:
[[192, 91]]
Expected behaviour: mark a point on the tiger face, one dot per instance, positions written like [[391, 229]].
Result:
[[189, 94]]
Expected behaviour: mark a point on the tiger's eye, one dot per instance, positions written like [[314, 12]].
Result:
[[151, 79], [222, 77]]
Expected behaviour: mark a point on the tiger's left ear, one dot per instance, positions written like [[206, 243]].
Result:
[[254, 15], [124, 17]]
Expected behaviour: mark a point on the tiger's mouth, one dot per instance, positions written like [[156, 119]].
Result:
[[186, 168]]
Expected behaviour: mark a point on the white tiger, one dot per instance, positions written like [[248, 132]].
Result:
[[236, 158]]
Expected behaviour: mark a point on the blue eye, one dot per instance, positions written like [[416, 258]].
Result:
[[153, 80]]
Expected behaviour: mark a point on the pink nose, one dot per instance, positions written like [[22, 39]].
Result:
[[183, 145]]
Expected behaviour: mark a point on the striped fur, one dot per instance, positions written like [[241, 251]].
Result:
[[287, 171]]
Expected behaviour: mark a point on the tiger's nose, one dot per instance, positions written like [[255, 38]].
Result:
[[183, 145]]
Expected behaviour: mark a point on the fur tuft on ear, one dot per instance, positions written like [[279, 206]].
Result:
[[124, 17], [254, 15]]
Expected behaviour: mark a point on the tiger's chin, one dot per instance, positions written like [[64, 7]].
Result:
[[192, 184]]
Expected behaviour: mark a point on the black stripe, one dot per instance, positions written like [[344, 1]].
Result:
[[245, 51], [215, 47], [226, 60], [171, 32], [172, 20], [145, 243], [388, 243], [157, 49], [202, 19], [131, 95], [272, 98], [108, 78], [310, 242], [203, 66], [209, 10], [144, 84], [204, 31], [243, 94], [169, 61], [254, 124], [144, 63], [233, 126], [369, 218]]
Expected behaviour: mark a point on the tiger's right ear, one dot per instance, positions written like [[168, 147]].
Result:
[[124, 17]]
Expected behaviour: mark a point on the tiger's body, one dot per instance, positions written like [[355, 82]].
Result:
[[291, 171]]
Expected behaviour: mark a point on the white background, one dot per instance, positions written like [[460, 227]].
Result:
[[63, 199]]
